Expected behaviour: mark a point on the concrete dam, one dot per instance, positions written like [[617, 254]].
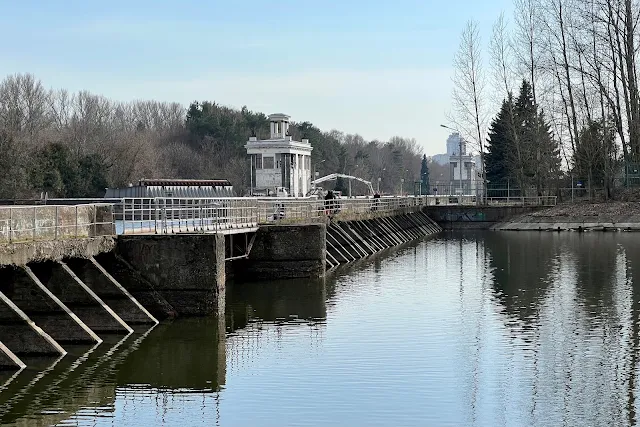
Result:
[[79, 273]]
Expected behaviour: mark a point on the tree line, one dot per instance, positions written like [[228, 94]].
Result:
[[77, 144], [572, 65]]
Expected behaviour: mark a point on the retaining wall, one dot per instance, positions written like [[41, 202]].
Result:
[[188, 270], [475, 217], [348, 241], [284, 252]]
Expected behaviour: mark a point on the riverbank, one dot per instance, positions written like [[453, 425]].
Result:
[[605, 216]]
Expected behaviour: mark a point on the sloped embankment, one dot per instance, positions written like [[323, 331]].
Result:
[[605, 216]]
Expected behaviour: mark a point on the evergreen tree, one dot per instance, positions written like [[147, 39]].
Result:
[[499, 156], [525, 118], [521, 147], [424, 176], [595, 154], [547, 158]]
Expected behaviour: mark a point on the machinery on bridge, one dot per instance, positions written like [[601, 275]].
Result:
[[335, 176]]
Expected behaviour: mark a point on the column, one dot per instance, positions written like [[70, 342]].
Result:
[[303, 174], [295, 175]]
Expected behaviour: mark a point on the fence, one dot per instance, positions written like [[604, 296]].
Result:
[[39, 223], [183, 215], [196, 215]]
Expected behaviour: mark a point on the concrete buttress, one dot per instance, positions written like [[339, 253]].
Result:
[[110, 291], [21, 335], [78, 297], [187, 270], [27, 292]]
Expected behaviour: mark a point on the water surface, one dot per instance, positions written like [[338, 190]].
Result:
[[486, 329]]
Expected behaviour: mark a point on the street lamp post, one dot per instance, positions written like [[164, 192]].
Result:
[[315, 174], [459, 154], [379, 179]]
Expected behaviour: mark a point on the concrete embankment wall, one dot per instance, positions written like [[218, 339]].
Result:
[[453, 217], [309, 250], [187, 271], [605, 216], [568, 223], [284, 252], [350, 240], [46, 305]]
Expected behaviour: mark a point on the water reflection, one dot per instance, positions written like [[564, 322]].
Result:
[[577, 296], [275, 301], [488, 329], [186, 357]]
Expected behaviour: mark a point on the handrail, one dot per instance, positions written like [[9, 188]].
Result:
[[170, 215]]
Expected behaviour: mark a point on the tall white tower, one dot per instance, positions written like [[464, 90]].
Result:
[[454, 143], [279, 161]]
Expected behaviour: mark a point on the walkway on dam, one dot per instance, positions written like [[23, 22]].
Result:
[[140, 216]]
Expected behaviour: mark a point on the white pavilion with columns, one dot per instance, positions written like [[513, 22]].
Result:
[[279, 161]]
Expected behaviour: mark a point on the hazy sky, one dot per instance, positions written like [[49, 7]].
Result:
[[378, 68]]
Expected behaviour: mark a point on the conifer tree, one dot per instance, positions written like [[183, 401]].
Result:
[[499, 146], [521, 146], [424, 176]]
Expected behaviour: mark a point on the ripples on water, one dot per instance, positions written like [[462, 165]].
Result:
[[488, 329]]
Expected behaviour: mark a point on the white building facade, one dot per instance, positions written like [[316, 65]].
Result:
[[465, 169], [279, 162]]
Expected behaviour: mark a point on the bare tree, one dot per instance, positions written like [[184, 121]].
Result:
[[468, 92]]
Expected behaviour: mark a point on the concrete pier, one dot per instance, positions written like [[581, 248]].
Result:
[[188, 270], [285, 252]]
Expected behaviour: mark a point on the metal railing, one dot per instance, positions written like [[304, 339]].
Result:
[[433, 200], [271, 209], [163, 215], [55, 222], [195, 215]]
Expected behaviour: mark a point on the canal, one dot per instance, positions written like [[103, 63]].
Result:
[[475, 328]]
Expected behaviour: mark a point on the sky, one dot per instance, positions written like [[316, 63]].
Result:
[[373, 67]]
